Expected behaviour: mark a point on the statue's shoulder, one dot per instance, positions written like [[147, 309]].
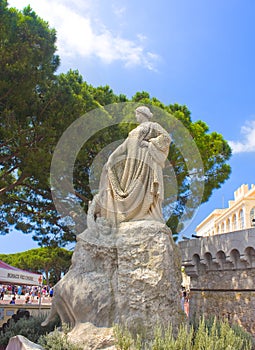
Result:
[[156, 126]]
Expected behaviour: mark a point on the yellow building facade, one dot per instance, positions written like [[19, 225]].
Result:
[[239, 215]]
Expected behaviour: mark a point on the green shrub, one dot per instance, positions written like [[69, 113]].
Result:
[[28, 327], [124, 338], [57, 340], [204, 335], [221, 335]]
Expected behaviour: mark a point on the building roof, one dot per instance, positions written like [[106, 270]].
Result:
[[13, 275], [213, 215], [242, 196], [3, 265]]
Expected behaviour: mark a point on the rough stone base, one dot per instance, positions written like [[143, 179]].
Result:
[[149, 276], [129, 276], [90, 337]]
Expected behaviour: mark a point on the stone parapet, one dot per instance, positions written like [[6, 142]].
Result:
[[230, 251], [222, 275]]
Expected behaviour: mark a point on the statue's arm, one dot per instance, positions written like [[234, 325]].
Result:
[[159, 146], [161, 142], [120, 150]]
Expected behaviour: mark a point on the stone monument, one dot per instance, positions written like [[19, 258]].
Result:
[[125, 269]]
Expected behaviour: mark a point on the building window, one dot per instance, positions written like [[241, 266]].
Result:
[[234, 222], [241, 219], [228, 225], [222, 228], [252, 216]]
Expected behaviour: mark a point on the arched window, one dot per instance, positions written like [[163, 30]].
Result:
[[241, 219], [222, 229], [252, 216], [234, 227], [228, 225]]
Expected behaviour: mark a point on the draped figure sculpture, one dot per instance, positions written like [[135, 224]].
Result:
[[131, 185], [130, 275]]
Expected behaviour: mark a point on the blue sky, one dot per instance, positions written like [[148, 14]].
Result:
[[198, 53]]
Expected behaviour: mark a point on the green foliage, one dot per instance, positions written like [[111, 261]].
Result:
[[221, 335], [52, 262], [58, 341], [205, 335], [30, 328], [27, 56], [124, 338], [28, 63], [37, 106]]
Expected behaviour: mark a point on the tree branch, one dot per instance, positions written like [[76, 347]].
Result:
[[8, 172], [83, 198], [14, 184]]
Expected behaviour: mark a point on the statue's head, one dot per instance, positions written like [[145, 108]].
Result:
[[145, 111]]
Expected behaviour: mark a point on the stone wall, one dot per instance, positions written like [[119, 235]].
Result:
[[222, 272], [223, 299]]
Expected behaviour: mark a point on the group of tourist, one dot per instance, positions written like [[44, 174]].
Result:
[[30, 293]]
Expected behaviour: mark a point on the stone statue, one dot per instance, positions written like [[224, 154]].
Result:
[[131, 186], [125, 267]]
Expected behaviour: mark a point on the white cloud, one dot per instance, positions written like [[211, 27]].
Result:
[[118, 10], [80, 33], [141, 37], [248, 142]]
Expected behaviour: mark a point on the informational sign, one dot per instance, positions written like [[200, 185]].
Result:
[[20, 277]]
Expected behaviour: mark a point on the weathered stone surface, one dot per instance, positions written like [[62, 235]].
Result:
[[131, 275], [87, 336], [149, 276], [21, 343], [86, 292]]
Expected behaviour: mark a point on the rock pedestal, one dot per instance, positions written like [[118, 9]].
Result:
[[130, 275], [148, 275]]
